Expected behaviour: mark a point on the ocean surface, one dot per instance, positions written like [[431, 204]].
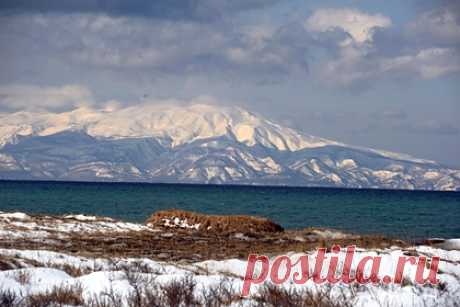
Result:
[[404, 214]]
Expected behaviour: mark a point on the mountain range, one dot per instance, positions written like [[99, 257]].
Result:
[[197, 144]]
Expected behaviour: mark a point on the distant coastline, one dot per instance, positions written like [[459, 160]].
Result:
[[218, 185]]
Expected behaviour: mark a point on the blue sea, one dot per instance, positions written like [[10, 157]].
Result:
[[404, 214]]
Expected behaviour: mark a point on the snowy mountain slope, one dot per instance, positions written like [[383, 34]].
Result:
[[173, 125], [197, 144]]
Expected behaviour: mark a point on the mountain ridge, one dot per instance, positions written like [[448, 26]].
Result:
[[180, 123], [198, 144]]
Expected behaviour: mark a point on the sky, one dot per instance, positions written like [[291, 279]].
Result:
[[380, 74]]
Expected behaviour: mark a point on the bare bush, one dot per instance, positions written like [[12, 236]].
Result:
[[149, 293], [9, 298], [220, 295], [146, 291], [106, 299], [22, 277], [272, 295], [59, 295]]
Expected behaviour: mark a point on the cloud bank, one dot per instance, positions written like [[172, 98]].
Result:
[[286, 59], [30, 97]]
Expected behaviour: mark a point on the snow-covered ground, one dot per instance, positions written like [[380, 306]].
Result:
[[42, 271], [28, 273], [20, 225]]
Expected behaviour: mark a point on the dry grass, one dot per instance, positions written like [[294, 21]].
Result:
[[222, 241], [9, 263], [188, 246], [223, 294], [181, 293], [16, 262], [275, 296], [74, 271], [9, 298], [217, 223], [146, 292], [185, 245], [58, 296], [22, 277]]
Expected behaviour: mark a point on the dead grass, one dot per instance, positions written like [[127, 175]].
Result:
[[9, 298], [223, 294], [187, 246], [228, 237], [74, 271], [216, 223], [22, 277], [275, 296], [60, 296], [9, 263], [106, 299], [146, 292], [181, 293]]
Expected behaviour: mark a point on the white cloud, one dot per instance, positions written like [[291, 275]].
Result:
[[346, 45], [357, 24], [360, 60], [353, 67], [20, 97], [439, 26], [427, 63], [150, 45]]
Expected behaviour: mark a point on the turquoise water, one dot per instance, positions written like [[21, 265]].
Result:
[[407, 214]]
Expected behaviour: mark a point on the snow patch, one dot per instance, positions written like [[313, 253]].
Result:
[[81, 217], [347, 164], [384, 175], [14, 215], [431, 175], [177, 222]]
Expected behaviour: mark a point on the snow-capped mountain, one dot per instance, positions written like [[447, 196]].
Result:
[[197, 144]]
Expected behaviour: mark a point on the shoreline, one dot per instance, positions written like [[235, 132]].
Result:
[[356, 211], [223, 185], [182, 258], [169, 237]]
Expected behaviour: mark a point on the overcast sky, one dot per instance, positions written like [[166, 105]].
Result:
[[382, 74]]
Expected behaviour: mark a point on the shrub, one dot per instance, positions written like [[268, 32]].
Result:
[[59, 295]]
